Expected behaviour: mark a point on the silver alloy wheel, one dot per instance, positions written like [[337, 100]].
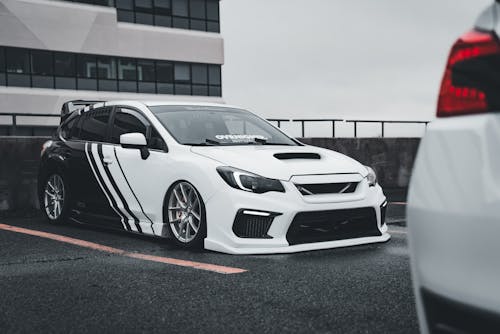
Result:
[[54, 196], [184, 212]]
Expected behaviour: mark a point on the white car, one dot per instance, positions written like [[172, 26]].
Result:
[[454, 196], [206, 175]]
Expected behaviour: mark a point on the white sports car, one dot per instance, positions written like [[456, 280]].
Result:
[[454, 195], [205, 175]]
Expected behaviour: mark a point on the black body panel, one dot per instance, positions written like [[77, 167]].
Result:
[[448, 316]]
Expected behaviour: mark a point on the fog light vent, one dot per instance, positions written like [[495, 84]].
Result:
[[253, 224]]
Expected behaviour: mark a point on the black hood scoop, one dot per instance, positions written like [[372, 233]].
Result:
[[298, 155]]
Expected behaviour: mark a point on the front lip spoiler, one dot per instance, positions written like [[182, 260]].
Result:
[[252, 250]]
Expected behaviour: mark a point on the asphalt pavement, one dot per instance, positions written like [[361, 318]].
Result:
[[54, 286]]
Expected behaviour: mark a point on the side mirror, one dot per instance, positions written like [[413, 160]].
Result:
[[135, 140]]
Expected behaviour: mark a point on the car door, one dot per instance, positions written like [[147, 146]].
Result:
[[96, 197], [78, 171], [144, 181]]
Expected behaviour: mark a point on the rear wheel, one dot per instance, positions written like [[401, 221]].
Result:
[[55, 198], [185, 214]]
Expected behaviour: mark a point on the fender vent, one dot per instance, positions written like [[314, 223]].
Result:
[[288, 156]]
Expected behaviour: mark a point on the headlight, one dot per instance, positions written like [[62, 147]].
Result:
[[371, 177], [246, 181]]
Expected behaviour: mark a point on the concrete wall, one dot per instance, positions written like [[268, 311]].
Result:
[[19, 158], [392, 158]]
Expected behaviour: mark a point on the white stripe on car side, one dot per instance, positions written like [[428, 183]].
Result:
[[102, 187], [119, 203]]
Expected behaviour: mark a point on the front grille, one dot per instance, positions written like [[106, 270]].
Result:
[[327, 188], [318, 226], [448, 316], [252, 226]]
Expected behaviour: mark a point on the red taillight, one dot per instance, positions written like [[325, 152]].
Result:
[[459, 100]]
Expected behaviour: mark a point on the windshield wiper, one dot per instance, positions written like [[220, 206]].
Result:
[[259, 140], [212, 141]]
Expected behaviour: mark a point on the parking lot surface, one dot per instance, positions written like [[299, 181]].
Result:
[[60, 279]]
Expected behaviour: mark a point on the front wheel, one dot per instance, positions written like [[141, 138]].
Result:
[[185, 215], [55, 198]]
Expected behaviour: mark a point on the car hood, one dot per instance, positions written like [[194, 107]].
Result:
[[261, 160]]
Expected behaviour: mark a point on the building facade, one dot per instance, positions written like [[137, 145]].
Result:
[[52, 51]]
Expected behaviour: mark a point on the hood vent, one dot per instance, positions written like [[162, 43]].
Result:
[[298, 155]]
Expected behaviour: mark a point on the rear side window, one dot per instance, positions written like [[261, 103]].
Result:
[[67, 127], [127, 121], [71, 129], [94, 125]]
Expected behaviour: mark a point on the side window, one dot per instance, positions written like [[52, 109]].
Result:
[[71, 129], [127, 121], [67, 127], [75, 130], [156, 142], [95, 125]]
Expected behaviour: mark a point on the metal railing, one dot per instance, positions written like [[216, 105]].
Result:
[[279, 121], [14, 118], [333, 121]]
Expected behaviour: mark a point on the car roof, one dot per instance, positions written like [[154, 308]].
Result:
[[172, 103]]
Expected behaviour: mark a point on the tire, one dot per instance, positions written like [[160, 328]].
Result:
[[184, 214], [55, 198]]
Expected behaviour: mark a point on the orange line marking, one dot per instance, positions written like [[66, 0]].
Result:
[[107, 249]]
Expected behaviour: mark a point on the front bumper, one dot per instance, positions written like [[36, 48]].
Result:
[[222, 208]]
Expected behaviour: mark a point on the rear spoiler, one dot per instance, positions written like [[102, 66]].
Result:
[[71, 106]]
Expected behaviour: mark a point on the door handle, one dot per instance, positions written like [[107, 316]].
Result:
[[107, 161]]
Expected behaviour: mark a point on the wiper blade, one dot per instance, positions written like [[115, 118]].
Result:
[[212, 141], [198, 144], [277, 144], [259, 140]]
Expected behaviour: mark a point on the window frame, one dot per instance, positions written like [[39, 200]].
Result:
[[149, 126]]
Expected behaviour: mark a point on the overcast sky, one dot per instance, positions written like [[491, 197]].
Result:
[[369, 59]]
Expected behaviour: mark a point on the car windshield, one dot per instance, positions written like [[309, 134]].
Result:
[[203, 126]]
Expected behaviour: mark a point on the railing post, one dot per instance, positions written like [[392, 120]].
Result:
[[303, 130], [14, 124], [355, 129], [383, 125], [279, 124], [333, 129]]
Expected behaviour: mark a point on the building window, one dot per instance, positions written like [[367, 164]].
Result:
[[64, 70], [127, 75], [146, 76], [87, 72], [2, 66], [106, 73], [200, 15], [18, 67], [42, 65], [165, 77]]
